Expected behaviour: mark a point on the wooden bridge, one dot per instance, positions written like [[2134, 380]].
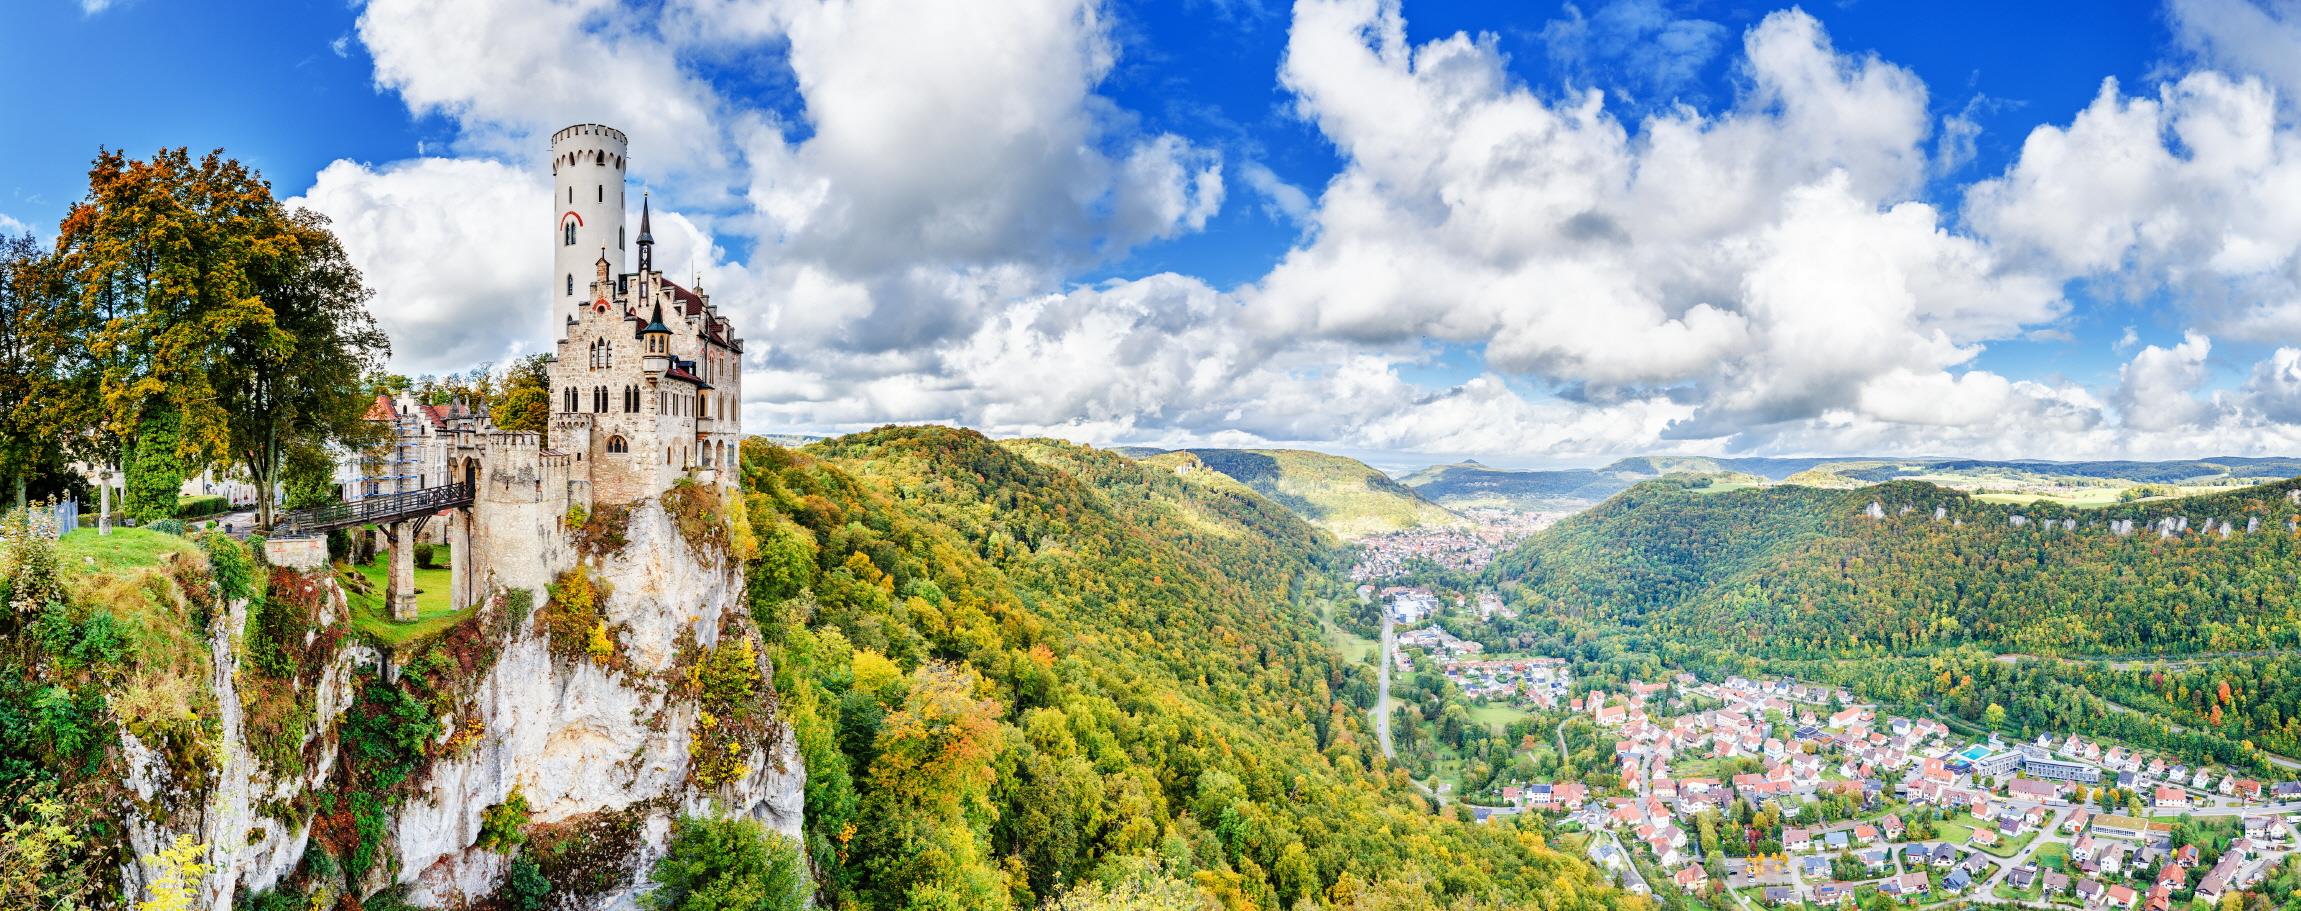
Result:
[[383, 509]]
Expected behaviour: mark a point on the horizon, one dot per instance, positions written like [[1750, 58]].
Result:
[[1555, 235]]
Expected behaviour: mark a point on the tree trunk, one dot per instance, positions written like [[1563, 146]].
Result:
[[20, 501]]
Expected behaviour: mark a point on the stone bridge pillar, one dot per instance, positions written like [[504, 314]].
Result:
[[399, 593]]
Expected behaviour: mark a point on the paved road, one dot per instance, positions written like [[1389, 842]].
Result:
[[1382, 709], [1382, 697]]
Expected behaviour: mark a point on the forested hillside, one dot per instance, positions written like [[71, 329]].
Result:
[[1934, 596], [1342, 495], [1016, 667]]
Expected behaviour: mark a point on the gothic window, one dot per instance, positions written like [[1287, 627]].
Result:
[[599, 399], [570, 241], [630, 399], [570, 401], [616, 444]]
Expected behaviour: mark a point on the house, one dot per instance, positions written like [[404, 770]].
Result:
[[1905, 886], [2056, 883], [1797, 840], [2089, 891], [1814, 866], [1874, 859], [2221, 879], [1779, 895], [1832, 893], [2023, 876], [2168, 797], [2186, 855], [1892, 827], [2121, 896], [1957, 880], [1985, 837], [2031, 789], [1690, 878], [1944, 855], [2173, 875], [1866, 834]]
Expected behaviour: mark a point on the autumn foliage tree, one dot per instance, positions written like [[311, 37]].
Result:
[[188, 294]]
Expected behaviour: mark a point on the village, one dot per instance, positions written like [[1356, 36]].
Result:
[[1741, 793], [2057, 820]]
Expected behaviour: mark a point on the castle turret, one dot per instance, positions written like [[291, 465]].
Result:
[[587, 168]]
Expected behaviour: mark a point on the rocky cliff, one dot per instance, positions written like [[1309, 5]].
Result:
[[579, 707]]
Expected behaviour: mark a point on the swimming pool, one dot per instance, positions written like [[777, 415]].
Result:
[[1974, 753]]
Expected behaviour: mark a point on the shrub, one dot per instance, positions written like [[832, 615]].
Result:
[[168, 526], [726, 865], [426, 554], [526, 889], [501, 826], [201, 507], [573, 620], [230, 562]]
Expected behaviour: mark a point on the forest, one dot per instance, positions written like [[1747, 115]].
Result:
[[2058, 617], [1023, 670]]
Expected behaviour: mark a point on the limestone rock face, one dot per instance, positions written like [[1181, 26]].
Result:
[[575, 737]]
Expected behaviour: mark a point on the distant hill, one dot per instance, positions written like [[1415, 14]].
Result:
[[1800, 570], [1347, 497], [1469, 484]]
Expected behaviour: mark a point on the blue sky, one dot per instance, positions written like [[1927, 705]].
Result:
[[1157, 241]]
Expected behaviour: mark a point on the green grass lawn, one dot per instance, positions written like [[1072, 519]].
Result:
[[433, 615], [125, 548], [2053, 855], [1496, 716], [1957, 830], [2008, 847]]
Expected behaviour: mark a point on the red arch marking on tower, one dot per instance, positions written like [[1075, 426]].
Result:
[[571, 213]]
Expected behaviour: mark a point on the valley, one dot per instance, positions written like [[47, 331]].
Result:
[[1718, 694]]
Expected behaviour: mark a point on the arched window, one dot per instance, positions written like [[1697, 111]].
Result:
[[616, 444], [569, 401], [570, 241], [619, 237], [630, 399], [599, 399]]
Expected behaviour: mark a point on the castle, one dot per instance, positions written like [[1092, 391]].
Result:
[[647, 390], [649, 376]]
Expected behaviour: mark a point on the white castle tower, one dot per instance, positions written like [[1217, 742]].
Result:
[[587, 192]]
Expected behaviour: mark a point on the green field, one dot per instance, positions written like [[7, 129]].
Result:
[[433, 615], [125, 548], [1496, 716], [2053, 855], [1353, 647]]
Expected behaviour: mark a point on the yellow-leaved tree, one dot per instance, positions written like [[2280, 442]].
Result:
[[177, 885]]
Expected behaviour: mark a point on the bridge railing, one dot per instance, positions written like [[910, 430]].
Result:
[[381, 508]]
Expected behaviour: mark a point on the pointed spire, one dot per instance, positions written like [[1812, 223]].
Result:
[[655, 324], [646, 239]]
